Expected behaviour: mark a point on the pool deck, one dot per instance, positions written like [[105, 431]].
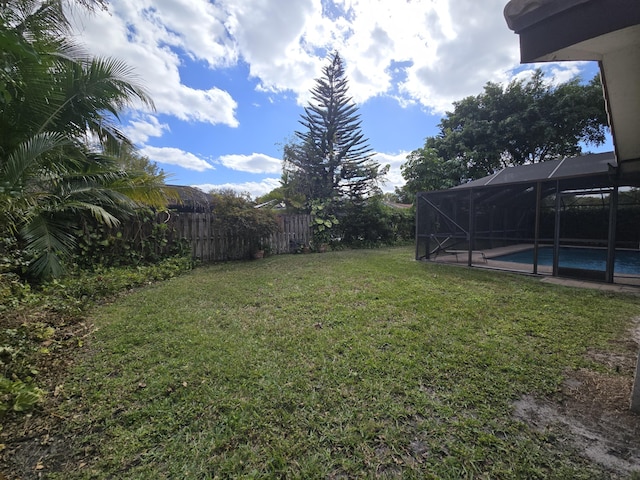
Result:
[[485, 259]]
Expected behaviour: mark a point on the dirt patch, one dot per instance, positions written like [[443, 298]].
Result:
[[32, 445], [592, 411]]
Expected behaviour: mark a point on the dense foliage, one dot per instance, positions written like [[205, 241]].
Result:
[[145, 238], [375, 223], [425, 170], [236, 213], [527, 121], [62, 157]]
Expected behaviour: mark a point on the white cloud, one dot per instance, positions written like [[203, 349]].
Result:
[[475, 47], [269, 35], [139, 130], [554, 73], [254, 163], [394, 177], [197, 27], [175, 156], [142, 35], [255, 189], [428, 52], [561, 73]]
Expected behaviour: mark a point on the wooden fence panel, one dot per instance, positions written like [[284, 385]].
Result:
[[209, 244], [294, 233]]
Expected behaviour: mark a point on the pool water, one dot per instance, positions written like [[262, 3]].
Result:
[[627, 261]]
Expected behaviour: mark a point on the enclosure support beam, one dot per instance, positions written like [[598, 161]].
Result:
[[556, 232], [611, 240], [446, 217], [417, 226], [472, 226], [536, 235]]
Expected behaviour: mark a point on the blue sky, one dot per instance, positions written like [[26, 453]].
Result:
[[230, 78]]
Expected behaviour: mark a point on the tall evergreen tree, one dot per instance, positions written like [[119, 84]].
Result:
[[331, 158]]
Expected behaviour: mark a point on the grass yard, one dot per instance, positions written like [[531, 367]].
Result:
[[351, 364]]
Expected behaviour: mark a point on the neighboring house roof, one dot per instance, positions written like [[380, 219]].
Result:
[[403, 206], [606, 31], [190, 199]]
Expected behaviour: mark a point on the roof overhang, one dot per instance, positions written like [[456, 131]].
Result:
[[606, 31]]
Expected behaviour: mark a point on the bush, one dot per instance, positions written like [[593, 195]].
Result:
[[83, 286], [236, 213], [373, 223], [19, 348], [141, 240], [13, 258], [323, 223]]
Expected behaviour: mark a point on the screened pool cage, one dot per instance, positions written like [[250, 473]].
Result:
[[535, 218]]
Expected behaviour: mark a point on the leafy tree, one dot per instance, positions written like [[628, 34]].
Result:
[[424, 170], [374, 223], [55, 102], [526, 122], [331, 158]]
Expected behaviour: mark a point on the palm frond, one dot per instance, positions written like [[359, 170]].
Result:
[[146, 190], [51, 241], [28, 154], [96, 211], [94, 90]]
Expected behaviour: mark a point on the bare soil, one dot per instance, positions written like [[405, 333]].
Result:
[[592, 413]]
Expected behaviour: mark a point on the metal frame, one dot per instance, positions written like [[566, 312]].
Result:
[[485, 214]]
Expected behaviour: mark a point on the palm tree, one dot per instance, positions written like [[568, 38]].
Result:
[[59, 141]]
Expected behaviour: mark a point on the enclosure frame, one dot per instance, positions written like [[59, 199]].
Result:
[[507, 209]]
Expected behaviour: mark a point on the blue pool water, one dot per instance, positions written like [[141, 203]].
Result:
[[627, 261]]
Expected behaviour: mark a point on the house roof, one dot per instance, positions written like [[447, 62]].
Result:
[[520, 14], [606, 31], [592, 165], [190, 199]]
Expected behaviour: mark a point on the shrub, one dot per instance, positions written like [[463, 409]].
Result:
[[373, 223], [236, 213], [141, 240], [323, 223], [19, 348], [18, 396]]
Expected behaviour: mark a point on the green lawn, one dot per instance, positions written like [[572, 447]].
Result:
[[352, 364]]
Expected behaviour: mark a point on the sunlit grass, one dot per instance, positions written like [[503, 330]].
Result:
[[339, 365]]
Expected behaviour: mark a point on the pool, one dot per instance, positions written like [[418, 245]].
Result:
[[627, 261]]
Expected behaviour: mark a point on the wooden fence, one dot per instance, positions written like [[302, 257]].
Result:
[[211, 244]]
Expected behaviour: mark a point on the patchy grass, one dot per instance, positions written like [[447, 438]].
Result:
[[348, 364], [41, 330]]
